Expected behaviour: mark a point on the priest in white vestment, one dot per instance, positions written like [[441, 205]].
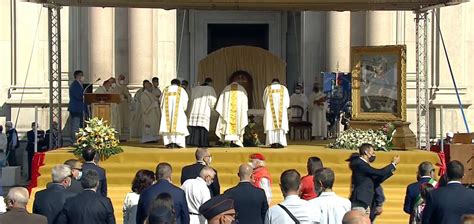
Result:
[[109, 86], [203, 100], [232, 108], [318, 107], [156, 87], [124, 107], [275, 120], [298, 99], [173, 126], [197, 193], [150, 108], [137, 116]]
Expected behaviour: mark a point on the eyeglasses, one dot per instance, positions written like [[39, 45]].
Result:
[[78, 169]]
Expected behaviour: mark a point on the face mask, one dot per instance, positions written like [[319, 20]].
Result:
[[122, 82], [371, 159], [81, 78], [114, 85], [298, 91], [79, 175]]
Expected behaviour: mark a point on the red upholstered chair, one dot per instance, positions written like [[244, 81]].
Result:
[[297, 123]]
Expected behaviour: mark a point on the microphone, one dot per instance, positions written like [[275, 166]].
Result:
[[87, 87]]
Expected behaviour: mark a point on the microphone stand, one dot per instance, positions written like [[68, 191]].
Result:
[[83, 100]]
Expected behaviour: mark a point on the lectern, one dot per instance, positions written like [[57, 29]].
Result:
[[101, 104]]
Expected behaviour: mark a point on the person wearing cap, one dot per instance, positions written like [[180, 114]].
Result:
[[197, 193], [219, 210], [261, 176]]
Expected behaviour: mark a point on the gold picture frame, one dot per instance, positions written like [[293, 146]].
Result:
[[379, 83]]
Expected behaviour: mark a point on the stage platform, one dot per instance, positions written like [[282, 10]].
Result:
[[121, 169]]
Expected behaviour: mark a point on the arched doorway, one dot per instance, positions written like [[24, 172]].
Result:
[[245, 80]]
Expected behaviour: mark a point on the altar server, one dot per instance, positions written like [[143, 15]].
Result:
[[173, 125], [156, 87], [318, 107], [149, 105], [203, 99], [137, 116], [232, 108], [275, 120]]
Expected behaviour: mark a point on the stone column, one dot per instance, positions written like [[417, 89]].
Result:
[[121, 62], [380, 28], [338, 41], [164, 54], [140, 42], [101, 43]]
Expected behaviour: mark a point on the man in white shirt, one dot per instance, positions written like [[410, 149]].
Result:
[[328, 206], [293, 208], [197, 193]]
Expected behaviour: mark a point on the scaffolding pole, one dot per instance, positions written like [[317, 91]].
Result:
[[422, 88], [55, 99]]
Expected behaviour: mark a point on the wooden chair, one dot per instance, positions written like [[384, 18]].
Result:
[[297, 123]]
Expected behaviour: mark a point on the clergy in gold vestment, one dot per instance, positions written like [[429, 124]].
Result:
[[109, 86], [232, 108], [124, 107], [173, 126], [203, 100], [318, 107], [275, 120], [150, 108]]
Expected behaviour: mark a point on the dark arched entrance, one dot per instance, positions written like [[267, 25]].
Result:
[[245, 80]]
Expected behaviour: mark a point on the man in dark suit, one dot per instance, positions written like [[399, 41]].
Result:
[[203, 158], [88, 206], [13, 143], [250, 202], [76, 105], [50, 201], [30, 146], [16, 201], [425, 174], [163, 185], [88, 154], [448, 204], [76, 169], [365, 178]]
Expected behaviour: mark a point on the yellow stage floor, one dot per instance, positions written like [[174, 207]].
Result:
[[121, 169]]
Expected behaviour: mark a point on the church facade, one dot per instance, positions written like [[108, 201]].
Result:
[[143, 43]]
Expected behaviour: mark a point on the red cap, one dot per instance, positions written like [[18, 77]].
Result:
[[257, 156]]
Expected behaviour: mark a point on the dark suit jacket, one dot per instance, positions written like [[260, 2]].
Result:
[[365, 179], [163, 186], [102, 188], [192, 171], [76, 97], [87, 207], [413, 190], [50, 201], [75, 187], [379, 199], [19, 215], [30, 146], [446, 205], [250, 203]]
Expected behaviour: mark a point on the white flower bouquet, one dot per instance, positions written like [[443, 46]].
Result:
[[98, 135], [353, 138]]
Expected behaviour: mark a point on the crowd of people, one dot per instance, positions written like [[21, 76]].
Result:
[[78, 194], [181, 116]]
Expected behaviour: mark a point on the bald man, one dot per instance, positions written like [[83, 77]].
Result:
[[197, 193], [250, 202], [16, 200], [356, 216]]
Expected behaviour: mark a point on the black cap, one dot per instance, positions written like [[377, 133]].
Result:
[[216, 206]]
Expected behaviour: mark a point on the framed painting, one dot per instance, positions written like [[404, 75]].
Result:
[[379, 83]]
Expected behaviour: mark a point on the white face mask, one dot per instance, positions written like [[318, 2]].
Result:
[[114, 85], [79, 175], [122, 82], [81, 78], [298, 91]]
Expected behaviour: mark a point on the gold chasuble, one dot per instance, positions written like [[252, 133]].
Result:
[[174, 123], [275, 120]]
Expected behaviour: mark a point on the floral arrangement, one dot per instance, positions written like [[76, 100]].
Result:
[[98, 135], [353, 138], [250, 135]]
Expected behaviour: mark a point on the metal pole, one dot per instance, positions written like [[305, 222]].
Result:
[[422, 89], [441, 127], [36, 129]]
